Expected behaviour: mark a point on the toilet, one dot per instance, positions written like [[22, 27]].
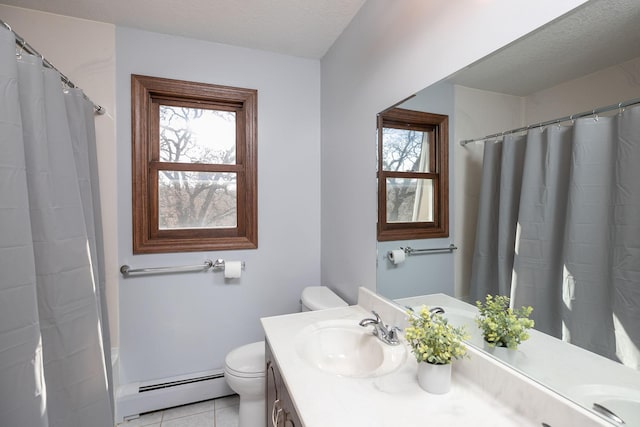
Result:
[[319, 298], [244, 367]]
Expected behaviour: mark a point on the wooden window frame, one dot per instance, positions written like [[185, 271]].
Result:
[[147, 93], [439, 165]]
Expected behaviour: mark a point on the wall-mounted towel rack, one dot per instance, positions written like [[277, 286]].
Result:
[[410, 251], [217, 265]]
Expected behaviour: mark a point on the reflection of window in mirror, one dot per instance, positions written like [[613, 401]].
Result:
[[194, 166], [413, 178]]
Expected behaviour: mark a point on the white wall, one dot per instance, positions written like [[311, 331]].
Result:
[[389, 51], [84, 51], [178, 324]]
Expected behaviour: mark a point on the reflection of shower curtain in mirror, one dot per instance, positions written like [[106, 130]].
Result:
[[559, 229], [54, 340]]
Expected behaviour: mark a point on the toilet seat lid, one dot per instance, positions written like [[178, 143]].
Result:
[[321, 298], [247, 360]]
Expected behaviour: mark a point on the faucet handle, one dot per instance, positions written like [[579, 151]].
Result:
[[436, 310], [378, 319], [392, 335]]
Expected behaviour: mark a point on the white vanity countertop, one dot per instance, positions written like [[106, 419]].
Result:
[[575, 373], [392, 400]]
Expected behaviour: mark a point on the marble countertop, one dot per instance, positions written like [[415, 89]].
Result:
[[577, 374], [392, 400]]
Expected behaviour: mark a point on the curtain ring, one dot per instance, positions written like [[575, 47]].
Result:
[[571, 118], [620, 108], [19, 53], [595, 115]]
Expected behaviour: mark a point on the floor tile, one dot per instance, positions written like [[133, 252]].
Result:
[[199, 414], [226, 417], [182, 411], [223, 402], [203, 419]]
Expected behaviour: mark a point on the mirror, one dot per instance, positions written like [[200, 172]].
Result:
[[584, 60]]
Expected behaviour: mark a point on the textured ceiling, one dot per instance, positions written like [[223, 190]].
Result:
[[305, 28], [597, 35]]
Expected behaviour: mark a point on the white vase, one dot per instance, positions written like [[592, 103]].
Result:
[[434, 379], [509, 355]]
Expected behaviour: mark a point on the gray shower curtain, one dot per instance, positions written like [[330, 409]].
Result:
[[54, 341], [559, 229]]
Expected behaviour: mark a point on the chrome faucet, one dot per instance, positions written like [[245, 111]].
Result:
[[433, 310], [384, 333]]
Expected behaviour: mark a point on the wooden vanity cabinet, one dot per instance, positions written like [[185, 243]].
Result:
[[280, 409]]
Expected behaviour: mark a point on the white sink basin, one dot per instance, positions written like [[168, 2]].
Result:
[[622, 401], [344, 348]]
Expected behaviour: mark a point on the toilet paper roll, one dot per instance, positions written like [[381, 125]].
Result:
[[232, 269], [397, 256]]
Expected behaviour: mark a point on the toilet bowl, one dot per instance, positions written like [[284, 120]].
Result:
[[244, 367], [244, 371]]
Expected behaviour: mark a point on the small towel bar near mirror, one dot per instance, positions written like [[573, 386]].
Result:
[[410, 251], [217, 265]]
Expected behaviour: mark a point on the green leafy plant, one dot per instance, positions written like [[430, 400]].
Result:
[[501, 325], [433, 339]]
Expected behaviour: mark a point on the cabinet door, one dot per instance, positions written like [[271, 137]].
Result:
[[271, 392], [280, 409]]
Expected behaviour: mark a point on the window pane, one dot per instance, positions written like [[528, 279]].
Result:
[[409, 200], [405, 150], [194, 135], [196, 200]]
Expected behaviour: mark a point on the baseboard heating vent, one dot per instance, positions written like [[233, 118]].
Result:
[[134, 398], [179, 383]]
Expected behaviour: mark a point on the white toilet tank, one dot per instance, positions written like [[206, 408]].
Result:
[[320, 298]]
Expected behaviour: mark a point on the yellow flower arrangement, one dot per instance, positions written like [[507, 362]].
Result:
[[433, 339], [501, 325]]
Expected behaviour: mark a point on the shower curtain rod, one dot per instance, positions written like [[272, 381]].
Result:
[[29, 49], [572, 117]]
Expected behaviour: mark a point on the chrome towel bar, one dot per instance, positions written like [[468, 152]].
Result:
[[216, 265], [410, 251]]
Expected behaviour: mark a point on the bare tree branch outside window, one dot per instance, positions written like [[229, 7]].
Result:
[[402, 151], [190, 199]]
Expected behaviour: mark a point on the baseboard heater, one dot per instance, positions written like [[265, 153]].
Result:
[[138, 398], [152, 387]]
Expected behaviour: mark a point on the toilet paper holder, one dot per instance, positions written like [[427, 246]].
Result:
[[218, 265]]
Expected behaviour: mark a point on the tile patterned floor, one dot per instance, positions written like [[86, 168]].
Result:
[[222, 412]]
